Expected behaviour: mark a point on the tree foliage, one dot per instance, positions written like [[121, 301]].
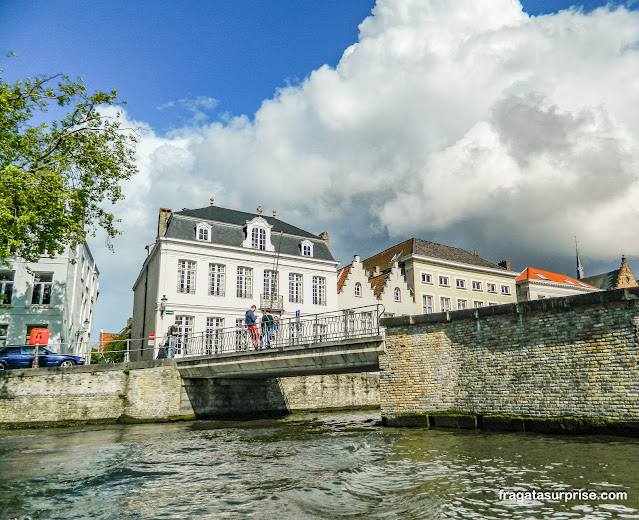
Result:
[[56, 174]]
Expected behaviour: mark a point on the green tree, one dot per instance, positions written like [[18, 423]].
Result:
[[57, 173]]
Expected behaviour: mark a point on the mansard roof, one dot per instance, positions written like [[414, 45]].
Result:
[[603, 281], [416, 246], [227, 228]]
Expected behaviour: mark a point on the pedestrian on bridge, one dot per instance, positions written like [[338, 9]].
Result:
[[173, 333], [267, 328], [251, 323]]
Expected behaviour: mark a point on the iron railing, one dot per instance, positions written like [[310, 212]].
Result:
[[296, 331]]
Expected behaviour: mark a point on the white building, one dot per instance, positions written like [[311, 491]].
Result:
[[536, 284], [209, 265], [357, 288], [56, 293]]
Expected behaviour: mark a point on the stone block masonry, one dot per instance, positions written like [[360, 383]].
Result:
[[154, 391], [547, 365]]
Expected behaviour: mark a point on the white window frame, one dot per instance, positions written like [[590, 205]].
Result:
[[397, 295], [4, 333], [491, 288], [358, 290], [462, 304], [258, 238], [444, 281], [427, 279], [306, 248], [42, 288], [203, 232], [186, 275], [217, 279], [252, 238], [185, 329], [460, 284], [478, 304], [6, 286], [505, 290], [212, 336], [295, 288], [244, 286], [445, 303], [428, 302], [477, 286], [271, 280], [319, 290]]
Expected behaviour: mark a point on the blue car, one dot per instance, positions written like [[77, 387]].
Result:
[[18, 356]]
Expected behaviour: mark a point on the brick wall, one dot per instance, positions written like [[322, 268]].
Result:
[[574, 357]]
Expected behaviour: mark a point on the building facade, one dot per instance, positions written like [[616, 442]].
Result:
[[536, 284], [357, 288], [209, 265], [444, 278], [621, 278], [55, 293]]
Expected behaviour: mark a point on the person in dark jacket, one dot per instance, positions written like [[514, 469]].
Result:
[[267, 328]]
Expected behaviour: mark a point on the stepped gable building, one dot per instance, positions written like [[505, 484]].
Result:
[[621, 278], [444, 278], [357, 288], [537, 284], [55, 293], [209, 265]]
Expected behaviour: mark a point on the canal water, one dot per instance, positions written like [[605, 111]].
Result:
[[311, 466]]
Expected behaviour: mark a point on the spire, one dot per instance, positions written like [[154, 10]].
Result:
[[580, 268]]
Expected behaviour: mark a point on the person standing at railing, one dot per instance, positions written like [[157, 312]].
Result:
[[267, 327], [251, 323], [173, 333]]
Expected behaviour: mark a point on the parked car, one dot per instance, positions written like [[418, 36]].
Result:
[[21, 356]]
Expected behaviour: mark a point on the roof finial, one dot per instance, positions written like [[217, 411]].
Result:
[[211, 200], [259, 210], [274, 213]]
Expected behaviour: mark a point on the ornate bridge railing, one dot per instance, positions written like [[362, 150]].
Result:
[[358, 322]]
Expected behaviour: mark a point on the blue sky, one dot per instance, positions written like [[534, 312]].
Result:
[[461, 122]]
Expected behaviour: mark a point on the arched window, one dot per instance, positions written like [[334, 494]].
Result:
[[397, 294], [358, 289], [203, 232]]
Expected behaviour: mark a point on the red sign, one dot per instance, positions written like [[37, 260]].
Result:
[[39, 337], [151, 339]]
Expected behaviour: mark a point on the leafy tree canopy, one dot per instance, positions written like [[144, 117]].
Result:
[[56, 174]]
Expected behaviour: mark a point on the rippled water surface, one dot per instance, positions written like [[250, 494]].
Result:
[[311, 466]]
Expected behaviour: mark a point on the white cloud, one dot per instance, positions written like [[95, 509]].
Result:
[[465, 122]]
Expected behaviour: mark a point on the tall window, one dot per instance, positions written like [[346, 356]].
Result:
[[203, 234], [6, 286], [319, 290], [213, 335], [186, 277], [244, 282], [358, 289], [258, 238], [270, 283], [4, 330], [295, 288], [445, 303], [42, 285], [397, 295], [428, 304], [217, 279], [185, 330], [306, 250], [462, 304]]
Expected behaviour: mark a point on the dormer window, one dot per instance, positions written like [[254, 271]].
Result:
[[203, 232], [258, 238], [306, 248], [257, 235]]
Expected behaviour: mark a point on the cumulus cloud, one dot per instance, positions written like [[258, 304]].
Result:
[[470, 123]]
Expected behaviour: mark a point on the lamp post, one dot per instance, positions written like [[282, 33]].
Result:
[[163, 301]]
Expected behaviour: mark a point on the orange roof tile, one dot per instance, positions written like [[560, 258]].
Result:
[[342, 274], [539, 275], [378, 283]]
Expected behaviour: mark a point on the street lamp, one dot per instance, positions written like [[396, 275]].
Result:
[[163, 301]]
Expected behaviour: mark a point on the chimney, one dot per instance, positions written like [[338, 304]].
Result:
[[324, 236], [163, 220], [505, 264], [376, 271], [355, 258]]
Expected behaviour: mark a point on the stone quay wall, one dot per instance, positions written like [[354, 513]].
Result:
[[151, 391], [547, 365]]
